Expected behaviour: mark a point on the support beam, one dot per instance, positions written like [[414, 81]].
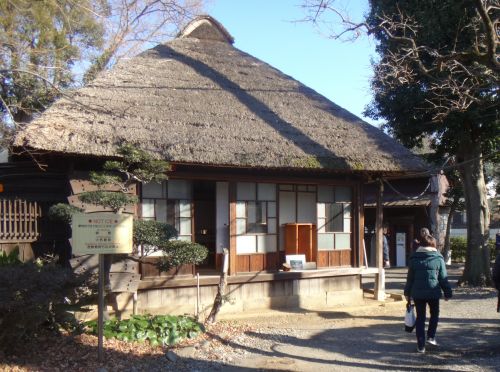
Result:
[[232, 228], [379, 235]]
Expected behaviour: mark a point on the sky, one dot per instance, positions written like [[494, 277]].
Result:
[[267, 30]]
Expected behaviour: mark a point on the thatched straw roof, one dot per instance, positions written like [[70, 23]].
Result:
[[197, 99]]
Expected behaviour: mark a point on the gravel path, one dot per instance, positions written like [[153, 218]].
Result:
[[355, 339]]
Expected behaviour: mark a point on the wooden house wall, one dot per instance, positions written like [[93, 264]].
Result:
[[24, 180]]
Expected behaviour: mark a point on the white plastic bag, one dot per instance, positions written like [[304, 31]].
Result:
[[410, 318]]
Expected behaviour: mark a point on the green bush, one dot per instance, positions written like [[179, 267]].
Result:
[[62, 212], [458, 246], [180, 252], [35, 296], [158, 236], [158, 330], [152, 233]]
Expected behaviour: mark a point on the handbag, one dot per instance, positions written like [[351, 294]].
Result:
[[410, 318]]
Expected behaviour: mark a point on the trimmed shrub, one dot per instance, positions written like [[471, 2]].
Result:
[[157, 236], [152, 233], [179, 252]]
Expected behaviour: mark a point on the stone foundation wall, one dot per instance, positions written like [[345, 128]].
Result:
[[310, 294]]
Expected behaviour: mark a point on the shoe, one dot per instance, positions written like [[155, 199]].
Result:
[[432, 341], [421, 350]]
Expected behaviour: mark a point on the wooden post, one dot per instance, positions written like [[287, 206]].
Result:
[[379, 235], [232, 228], [100, 311], [360, 227]]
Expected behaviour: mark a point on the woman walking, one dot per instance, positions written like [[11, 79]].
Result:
[[426, 279]]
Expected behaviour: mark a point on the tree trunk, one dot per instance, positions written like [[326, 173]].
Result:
[[477, 262], [219, 298]]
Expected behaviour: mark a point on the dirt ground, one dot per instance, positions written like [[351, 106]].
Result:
[[363, 338], [371, 337]]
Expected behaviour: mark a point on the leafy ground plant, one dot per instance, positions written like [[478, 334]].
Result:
[[157, 329]]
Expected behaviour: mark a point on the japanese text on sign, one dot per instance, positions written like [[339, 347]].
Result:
[[102, 233]]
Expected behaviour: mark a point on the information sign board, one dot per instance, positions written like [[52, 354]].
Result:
[[101, 233]]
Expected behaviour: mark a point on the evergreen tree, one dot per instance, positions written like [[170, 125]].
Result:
[[437, 77], [40, 43]]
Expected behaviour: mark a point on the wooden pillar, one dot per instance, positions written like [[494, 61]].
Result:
[[232, 228], [379, 235], [361, 225]]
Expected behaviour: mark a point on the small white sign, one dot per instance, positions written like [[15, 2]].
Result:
[[102, 233], [296, 261]]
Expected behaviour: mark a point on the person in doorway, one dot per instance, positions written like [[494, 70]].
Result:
[[424, 231], [425, 282], [385, 248]]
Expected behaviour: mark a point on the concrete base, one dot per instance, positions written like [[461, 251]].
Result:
[[311, 293]]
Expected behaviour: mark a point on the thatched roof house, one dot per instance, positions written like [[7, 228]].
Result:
[[263, 166], [197, 99]]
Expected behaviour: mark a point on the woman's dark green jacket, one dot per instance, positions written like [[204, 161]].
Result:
[[427, 275]]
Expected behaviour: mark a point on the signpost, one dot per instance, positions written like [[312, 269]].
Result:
[[101, 233]]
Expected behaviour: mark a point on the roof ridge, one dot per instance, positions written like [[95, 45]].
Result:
[[206, 27]]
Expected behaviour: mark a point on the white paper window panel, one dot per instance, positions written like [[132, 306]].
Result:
[[321, 210], [287, 207], [148, 208], [321, 225], [306, 208], [266, 243], [246, 244], [271, 209], [184, 208], [161, 210], [271, 225], [185, 226], [301, 187], [311, 188], [251, 212], [342, 194], [266, 191], [245, 191], [286, 187], [347, 210], [241, 209], [186, 238], [347, 225], [326, 242], [342, 241], [222, 216], [152, 190], [241, 226], [179, 189], [325, 194]]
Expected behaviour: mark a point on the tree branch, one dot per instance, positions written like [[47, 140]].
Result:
[[491, 33]]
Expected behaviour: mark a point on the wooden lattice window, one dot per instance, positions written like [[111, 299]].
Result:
[[19, 220]]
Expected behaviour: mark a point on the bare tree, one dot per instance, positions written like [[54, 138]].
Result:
[[133, 24]]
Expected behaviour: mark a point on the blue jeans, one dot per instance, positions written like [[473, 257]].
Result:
[[420, 307]]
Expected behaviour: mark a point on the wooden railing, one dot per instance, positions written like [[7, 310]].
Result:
[[19, 220]]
